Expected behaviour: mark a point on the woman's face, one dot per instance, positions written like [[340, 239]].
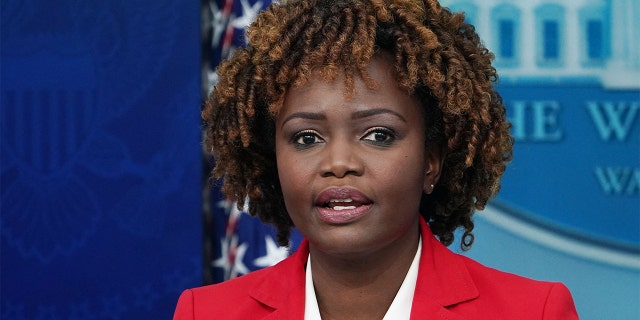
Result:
[[353, 170]]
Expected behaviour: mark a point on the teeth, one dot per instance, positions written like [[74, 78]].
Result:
[[332, 202], [341, 200], [339, 204], [339, 208]]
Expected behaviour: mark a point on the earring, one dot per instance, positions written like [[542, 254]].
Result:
[[431, 186]]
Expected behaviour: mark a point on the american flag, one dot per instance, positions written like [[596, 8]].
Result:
[[237, 243], [227, 20]]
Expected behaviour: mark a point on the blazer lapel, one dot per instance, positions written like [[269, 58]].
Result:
[[443, 280], [283, 287]]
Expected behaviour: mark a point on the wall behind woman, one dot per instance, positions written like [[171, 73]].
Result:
[[101, 158]]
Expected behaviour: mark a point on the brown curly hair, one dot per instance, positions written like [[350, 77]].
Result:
[[438, 58]]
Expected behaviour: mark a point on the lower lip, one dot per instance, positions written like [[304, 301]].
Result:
[[331, 216]]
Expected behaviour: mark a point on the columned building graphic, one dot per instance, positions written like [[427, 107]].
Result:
[[553, 40], [569, 70]]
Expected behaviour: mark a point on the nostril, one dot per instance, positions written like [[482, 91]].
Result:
[[341, 160], [340, 172]]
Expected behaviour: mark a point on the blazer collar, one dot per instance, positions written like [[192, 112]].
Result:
[[443, 281], [282, 287], [443, 274]]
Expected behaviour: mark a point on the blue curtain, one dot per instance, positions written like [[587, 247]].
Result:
[[101, 158]]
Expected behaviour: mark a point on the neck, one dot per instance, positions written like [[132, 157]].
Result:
[[362, 286]]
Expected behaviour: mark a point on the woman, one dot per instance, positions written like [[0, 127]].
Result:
[[373, 127]]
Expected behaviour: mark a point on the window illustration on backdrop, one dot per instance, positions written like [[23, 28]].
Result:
[[549, 23], [593, 25], [505, 19], [551, 40]]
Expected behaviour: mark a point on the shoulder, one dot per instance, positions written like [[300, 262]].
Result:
[[212, 301], [474, 291], [255, 295], [507, 294], [232, 289], [489, 278]]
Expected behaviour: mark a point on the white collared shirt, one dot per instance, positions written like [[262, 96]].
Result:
[[399, 309]]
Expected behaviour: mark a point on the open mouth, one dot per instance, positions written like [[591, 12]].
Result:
[[341, 204]]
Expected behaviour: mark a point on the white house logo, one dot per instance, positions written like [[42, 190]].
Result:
[[570, 78], [553, 40]]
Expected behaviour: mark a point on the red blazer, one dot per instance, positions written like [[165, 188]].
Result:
[[449, 286]]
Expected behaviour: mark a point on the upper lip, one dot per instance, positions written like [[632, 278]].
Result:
[[348, 194]]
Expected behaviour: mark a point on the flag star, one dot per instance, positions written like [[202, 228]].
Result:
[[249, 14], [223, 262], [218, 24], [212, 80], [231, 258], [235, 213], [274, 254], [223, 204], [238, 265]]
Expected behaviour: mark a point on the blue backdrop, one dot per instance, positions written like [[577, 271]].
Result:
[[101, 161], [101, 158]]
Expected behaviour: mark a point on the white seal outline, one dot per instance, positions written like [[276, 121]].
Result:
[[560, 241]]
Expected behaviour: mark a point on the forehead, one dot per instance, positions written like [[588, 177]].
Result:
[[321, 99]]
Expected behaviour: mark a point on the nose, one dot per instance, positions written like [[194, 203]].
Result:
[[341, 158]]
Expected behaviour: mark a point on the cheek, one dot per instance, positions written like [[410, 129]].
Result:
[[294, 183], [293, 175], [405, 178]]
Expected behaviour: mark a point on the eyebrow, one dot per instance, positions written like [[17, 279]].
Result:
[[375, 111], [356, 115], [304, 115]]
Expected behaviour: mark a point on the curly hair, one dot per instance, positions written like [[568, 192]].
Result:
[[437, 57]]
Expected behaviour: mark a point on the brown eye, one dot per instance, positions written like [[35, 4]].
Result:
[[379, 136], [306, 138]]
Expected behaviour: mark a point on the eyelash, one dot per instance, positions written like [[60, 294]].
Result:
[[302, 134], [390, 136]]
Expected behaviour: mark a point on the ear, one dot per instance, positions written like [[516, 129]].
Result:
[[434, 160]]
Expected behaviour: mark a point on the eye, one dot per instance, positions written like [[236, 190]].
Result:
[[380, 136], [306, 138]]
